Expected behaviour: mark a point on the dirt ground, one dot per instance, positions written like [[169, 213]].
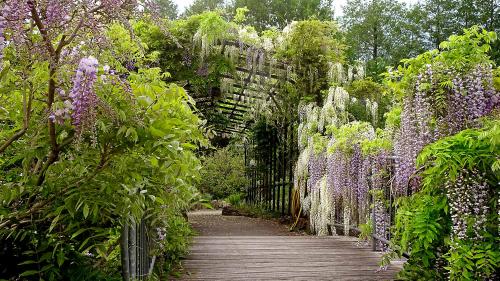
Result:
[[212, 223]]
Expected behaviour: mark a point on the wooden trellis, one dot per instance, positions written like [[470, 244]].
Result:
[[245, 88]]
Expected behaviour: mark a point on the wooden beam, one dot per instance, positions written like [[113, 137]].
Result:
[[229, 108]]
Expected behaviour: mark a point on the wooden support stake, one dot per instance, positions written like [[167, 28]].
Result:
[[124, 253], [290, 165]]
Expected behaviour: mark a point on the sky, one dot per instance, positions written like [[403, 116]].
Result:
[[183, 4]]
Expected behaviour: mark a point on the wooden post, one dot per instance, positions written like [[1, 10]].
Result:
[[273, 170], [290, 165], [270, 185], [277, 173], [266, 176], [374, 226], [133, 250], [125, 253], [259, 173], [283, 164]]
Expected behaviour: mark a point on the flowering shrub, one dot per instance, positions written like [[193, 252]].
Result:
[[446, 202], [446, 225], [340, 162], [91, 139]]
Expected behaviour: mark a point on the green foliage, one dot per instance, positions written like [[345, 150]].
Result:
[[349, 135], [212, 29], [65, 217], [467, 149], [380, 143], [457, 55], [176, 243], [320, 143], [310, 46], [278, 13], [235, 199], [167, 9], [474, 260], [240, 16], [393, 118], [257, 211], [383, 32], [363, 90], [195, 64], [223, 173], [421, 227], [201, 6], [366, 230], [423, 221]]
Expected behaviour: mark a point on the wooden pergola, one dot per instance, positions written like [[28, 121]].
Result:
[[254, 81]]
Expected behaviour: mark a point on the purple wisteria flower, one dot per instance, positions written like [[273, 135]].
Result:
[[425, 119], [468, 199], [83, 96], [3, 24]]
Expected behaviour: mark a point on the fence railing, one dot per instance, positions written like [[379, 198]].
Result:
[[137, 263], [270, 168]]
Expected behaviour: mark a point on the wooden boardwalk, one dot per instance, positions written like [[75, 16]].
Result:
[[276, 257]]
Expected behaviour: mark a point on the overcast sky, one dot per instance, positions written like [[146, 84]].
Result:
[[182, 4]]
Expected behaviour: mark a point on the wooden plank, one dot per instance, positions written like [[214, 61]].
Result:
[[283, 257]]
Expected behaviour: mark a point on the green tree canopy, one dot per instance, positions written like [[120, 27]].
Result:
[[278, 13], [200, 6], [167, 8]]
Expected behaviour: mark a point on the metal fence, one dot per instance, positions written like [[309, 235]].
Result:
[[270, 170], [137, 264], [270, 167]]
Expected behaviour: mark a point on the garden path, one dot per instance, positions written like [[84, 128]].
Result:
[[242, 248]]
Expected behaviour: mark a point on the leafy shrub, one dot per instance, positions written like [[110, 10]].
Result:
[[446, 239], [67, 187], [174, 245], [235, 199], [223, 173]]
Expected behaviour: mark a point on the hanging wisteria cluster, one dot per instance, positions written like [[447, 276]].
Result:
[[340, 74], [468, 196], [333, 173], [83, 96], [425, 118], [3, 24]]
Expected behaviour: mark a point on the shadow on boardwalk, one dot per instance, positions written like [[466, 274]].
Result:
[[241, 248]]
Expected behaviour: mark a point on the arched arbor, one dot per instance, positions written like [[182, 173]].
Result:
[[270, 150]]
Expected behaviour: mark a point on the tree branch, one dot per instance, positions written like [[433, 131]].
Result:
[[26, 119], [41, 27]]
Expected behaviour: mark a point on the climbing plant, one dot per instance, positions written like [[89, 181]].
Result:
[[434, 164], [91, 139]]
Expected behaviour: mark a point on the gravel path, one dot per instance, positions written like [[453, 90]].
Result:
[[212, 223]]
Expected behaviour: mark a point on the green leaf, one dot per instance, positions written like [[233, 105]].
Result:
[[27, 262], [85, 211], [29, 273], [80, 231], [54, 223], [60, 258]]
